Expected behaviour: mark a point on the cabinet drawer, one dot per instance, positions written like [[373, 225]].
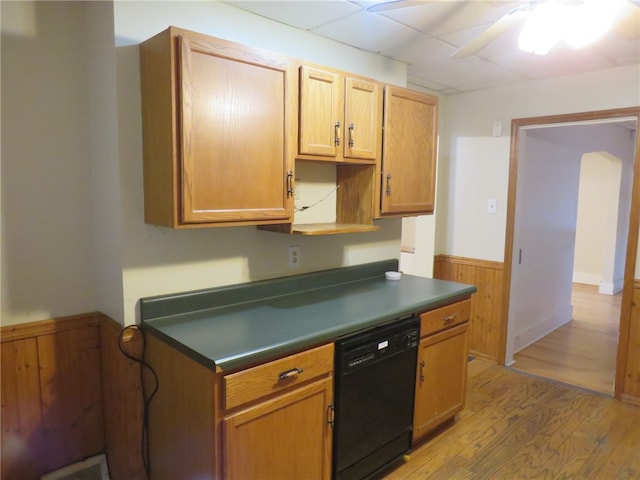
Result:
[[279, 375], [444, 317]]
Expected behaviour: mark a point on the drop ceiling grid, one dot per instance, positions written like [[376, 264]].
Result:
[[425, 35]]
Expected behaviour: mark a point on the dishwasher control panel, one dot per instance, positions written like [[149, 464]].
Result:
[[373, 345]]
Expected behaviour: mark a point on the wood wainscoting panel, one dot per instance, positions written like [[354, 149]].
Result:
[[71, 393], [22, 437], [51, 395], [485, 324], [631, 387], [123, 402]]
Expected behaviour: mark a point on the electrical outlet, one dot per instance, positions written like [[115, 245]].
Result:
[[294, 256]]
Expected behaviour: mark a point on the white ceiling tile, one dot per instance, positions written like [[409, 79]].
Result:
[[367, 31], [304, 14], [450, 91], [560, 61], [461, 72], [440, 18], [621, 51], [424, 83], [425, 35], [422, 49]]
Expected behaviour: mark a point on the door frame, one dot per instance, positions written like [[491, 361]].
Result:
[[632, 239]]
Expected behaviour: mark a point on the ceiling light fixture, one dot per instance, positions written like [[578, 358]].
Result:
[[579, 23], [591, 20]]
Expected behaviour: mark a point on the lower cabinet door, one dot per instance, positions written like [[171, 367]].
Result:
[[441, 379], [286, 437]]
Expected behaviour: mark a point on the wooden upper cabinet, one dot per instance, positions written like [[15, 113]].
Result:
[[408, 166], [216, 123], [321, 102], [340, 117]]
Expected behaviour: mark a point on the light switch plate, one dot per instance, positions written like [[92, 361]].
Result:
[[492, 206]]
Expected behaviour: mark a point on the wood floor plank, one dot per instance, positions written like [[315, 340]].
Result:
[[583, 351], [584, 444], [611, 441], [496, 455], [540, 457], [517, 426]]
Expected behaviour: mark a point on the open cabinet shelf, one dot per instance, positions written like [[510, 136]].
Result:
[[354, 205], [319, 228]]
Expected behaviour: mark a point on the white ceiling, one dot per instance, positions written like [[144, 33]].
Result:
[[425, 34]]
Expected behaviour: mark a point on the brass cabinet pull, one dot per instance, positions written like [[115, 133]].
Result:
[[337, 133], [388, 184], [289, 183], [290, 373], [351, 127], [448, 319], [422, 365]]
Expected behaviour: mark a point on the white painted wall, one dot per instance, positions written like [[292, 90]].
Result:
[[74, 238], [47, 173], [544, 236], [599, 253], [106, 191], [546, 220], [159, 260], [474, 165]]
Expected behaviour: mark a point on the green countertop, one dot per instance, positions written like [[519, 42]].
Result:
[[233, 327]]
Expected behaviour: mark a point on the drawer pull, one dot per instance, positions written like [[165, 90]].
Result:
[[449, 318], [290, 373]]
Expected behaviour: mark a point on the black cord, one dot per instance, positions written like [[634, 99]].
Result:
[[144, 440]]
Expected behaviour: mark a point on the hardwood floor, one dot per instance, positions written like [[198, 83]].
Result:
[[516, 426], [582, 352]]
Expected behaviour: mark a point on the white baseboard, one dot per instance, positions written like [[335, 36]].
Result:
[[535, 332], [611, 288], [587, 278]]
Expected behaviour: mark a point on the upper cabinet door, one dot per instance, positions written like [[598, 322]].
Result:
[[216, 123], [362, 119], [409, 152], [340, 117], [320, 112], [233, 126]]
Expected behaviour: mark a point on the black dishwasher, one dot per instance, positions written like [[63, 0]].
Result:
[[374, 394]]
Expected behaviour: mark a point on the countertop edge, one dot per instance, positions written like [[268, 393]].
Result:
[[238, 362], [162, 313], [275, 351]]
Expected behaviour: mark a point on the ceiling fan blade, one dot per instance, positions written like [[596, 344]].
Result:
[[627, 23], [503, 24]]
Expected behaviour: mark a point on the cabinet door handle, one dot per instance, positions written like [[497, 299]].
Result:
[[289, 183], [337, 133], [351, 127], [331, 415], [388, 184], [290, 373], [449, 318], [422, 365]]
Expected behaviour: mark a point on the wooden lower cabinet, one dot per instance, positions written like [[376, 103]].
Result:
[[286, 437], [269, 421], [441, 378]]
